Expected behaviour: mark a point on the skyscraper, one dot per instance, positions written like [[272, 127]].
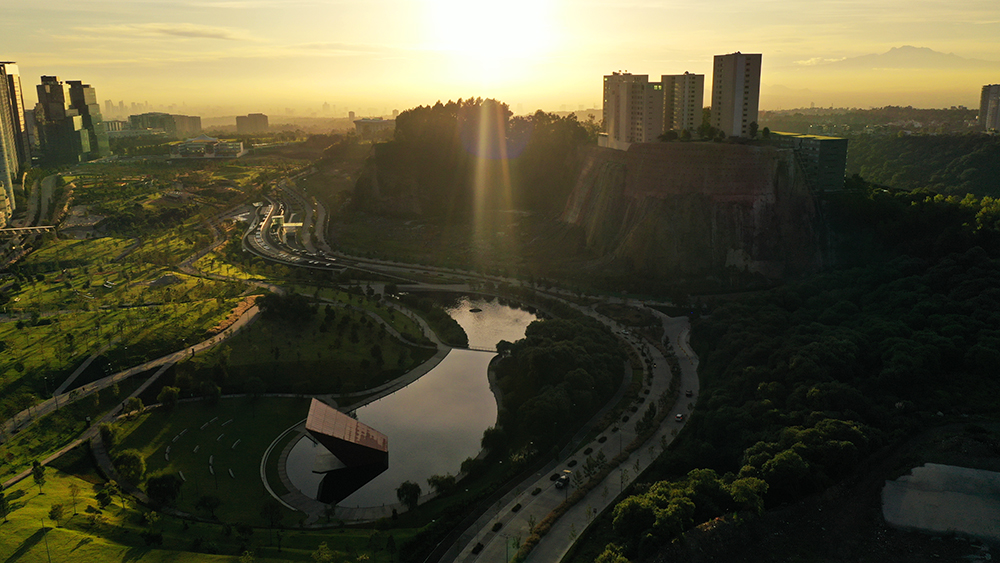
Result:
[[70, 125], [989, 108], [83, 98], [15, 148], [633, 109], [735, 93]]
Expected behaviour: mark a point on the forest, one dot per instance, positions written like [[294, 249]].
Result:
[[449, 160], [946, 164], [803, 382]]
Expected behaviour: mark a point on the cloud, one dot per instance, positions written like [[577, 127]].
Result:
[[187, 30], [817, 61]]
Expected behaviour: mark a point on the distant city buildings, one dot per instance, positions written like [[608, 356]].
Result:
[[735, 93], [176, 126], [375, 128], [251, 124], [69, 124], [989, 108]]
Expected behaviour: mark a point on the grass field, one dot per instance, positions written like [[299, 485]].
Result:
[[302, 358], [115, 533], [232, 434], [50, 433], [400, 322]]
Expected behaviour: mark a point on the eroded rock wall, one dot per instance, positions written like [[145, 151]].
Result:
[[697, 209]]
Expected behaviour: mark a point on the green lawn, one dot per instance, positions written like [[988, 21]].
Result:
[[301, 358], [400, 322], [234, 434], [114, 533], [50, 433]]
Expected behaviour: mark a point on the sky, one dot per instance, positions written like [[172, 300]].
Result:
[[372, 56]]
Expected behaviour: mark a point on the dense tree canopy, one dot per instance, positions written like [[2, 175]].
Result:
[[558, 375], [452, 159]]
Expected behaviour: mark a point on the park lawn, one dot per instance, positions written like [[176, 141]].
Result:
[[117, 535], [50, 433], [403, 324], [233, 433], [53, 350], [214, 263], [301, 359]]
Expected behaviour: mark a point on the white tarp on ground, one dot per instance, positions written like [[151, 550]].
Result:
[[944, 498]]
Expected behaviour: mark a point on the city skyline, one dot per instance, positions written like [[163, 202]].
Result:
[[248, 55]]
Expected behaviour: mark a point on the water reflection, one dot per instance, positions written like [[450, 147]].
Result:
[[492, 323]]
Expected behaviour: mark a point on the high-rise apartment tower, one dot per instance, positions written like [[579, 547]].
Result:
[[638, 111], [989, 108], [735, 93]]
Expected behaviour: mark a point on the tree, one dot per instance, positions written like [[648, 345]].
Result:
[[130, 465], [109, 434], [133, 404], [38, 474], [441, 483], [323, 554], [668, 136], [113, 488], [209, 503], [753, 129], [168, 397], [74, 492], [56, 513], [270, 511], [766, 133], [163, 489], [247, 557], [408, 493], [254, 387]]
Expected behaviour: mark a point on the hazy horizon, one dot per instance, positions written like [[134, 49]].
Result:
[[229, 57]]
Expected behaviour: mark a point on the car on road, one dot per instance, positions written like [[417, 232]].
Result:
[[689, 393], [563, 481], [679, 418]]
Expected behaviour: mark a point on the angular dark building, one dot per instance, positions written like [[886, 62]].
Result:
[[83, 98], [69, 122], [358, 453]]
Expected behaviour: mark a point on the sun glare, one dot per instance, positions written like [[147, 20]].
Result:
[[488, 34]]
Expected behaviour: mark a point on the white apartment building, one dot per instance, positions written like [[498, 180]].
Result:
[[735, 93], [638, 111], [684, 95]]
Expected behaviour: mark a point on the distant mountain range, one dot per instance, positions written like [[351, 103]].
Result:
[[908, 57]]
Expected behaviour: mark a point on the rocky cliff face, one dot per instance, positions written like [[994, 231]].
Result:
[[695, 209]]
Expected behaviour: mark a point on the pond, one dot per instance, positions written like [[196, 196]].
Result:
[[436, 422]]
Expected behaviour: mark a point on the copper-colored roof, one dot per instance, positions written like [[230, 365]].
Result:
[[327, 420]]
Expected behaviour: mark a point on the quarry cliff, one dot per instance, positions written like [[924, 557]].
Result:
[[697, 209]]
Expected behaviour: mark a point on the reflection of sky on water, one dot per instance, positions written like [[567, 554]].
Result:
[[436, 422], [494, 323], [433, 424]]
